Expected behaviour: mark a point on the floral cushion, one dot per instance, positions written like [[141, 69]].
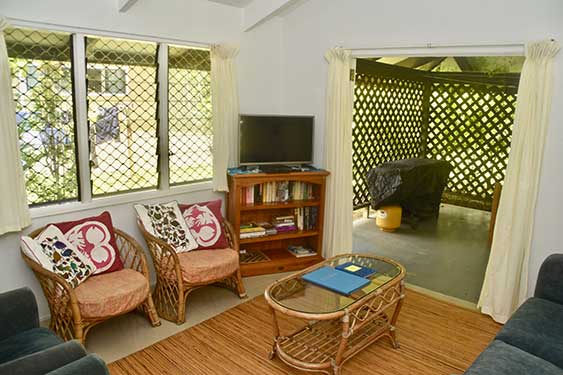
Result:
[[55, 253], [203, 266], [95, 237], [204, 221], [165, 222], [112, 294]]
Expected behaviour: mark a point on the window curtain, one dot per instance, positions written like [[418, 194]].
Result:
[[225, 103], [338, 153], [506, 278], [14, 212]]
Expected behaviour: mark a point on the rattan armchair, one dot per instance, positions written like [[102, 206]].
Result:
[[67, 320], [172, 288]]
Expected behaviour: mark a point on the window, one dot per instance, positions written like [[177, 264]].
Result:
[[122, 122], [121, 125], [107, 80], [189, 115], [40, 63]]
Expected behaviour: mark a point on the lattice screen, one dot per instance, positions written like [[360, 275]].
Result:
[[40, 64], [388, 125], [122, 92], [471, 127], [404, 114], [189, 115]]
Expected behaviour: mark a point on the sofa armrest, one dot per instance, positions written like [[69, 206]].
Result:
[[46, 360], [18, 312], [550, 279], [88, 365]]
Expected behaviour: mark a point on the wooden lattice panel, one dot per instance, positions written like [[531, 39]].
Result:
[[470, 126], [388, 125], [249, 257]]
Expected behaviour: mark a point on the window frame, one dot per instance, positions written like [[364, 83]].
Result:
[[78, 89]]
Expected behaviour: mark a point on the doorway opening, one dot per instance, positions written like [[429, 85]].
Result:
[[454, 109]]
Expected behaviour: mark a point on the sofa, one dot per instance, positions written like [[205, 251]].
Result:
[[531, 342], [28, 349]]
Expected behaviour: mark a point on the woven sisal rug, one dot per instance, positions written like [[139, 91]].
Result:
[[436, 338]]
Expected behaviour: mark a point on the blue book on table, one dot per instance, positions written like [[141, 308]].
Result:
[[335, 280], [356, 269]]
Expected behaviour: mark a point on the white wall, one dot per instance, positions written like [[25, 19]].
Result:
[[318, 25], [194, 20]]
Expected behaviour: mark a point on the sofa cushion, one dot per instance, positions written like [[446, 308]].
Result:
[[27, 342], [111, 294], [536, 327], [202, 266], [503, 359]]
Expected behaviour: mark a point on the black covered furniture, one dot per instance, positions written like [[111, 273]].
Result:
[[414, 184], [28, 349], [531, 342]]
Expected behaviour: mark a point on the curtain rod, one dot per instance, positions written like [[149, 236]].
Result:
[[103, 32], [457, 48]]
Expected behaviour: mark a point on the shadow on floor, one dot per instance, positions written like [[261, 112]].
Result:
[[448, 256]]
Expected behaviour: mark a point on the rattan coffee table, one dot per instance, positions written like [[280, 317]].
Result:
[[338, 326]]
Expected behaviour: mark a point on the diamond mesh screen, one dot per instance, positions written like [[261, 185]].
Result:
[[40, 64], [471, 127], [388, 122], [122, 92], [189, 115]]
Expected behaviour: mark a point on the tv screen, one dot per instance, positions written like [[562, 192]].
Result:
[[275, 140]]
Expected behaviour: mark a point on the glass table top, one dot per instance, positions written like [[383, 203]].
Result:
[[296, 294]]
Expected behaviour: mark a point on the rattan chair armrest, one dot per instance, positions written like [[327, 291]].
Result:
[[131, 253], [232, 237], [161, 253]]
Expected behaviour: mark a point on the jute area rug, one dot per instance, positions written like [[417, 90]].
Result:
[[436, 338]]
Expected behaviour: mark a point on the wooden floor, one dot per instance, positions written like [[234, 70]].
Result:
[[436, 338]]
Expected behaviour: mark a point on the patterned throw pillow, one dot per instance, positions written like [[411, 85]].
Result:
[[55, 253], [95, 237], [204, 221], [165, 222]]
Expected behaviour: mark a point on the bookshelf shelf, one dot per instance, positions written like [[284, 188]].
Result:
[[288, 204], [275, 246], [283, 236]]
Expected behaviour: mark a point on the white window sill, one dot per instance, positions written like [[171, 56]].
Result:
[[64, 208]]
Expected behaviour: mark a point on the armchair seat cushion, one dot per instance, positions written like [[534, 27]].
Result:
[[112, 294], [27, 342], [537, 329], [203, 266]]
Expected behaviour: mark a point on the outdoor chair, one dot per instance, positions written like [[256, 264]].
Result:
[[179, 274], [74, 311]]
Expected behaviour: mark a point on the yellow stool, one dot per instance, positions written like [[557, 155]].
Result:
[[388, 218]]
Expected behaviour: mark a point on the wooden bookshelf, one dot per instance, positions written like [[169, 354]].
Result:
[[275, 246]]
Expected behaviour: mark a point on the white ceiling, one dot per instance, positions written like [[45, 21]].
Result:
[[234, 3]]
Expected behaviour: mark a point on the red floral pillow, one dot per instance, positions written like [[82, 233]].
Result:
[[204, 220], [95, 237]]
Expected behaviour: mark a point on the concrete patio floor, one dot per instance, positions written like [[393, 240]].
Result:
[[448, 255]]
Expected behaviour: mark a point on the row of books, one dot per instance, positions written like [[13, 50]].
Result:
[[280, 224], [277, 191], [306, 217]]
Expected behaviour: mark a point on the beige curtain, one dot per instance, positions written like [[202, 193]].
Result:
[[506, 279], [225, 103], [338, 153], [14, 212]]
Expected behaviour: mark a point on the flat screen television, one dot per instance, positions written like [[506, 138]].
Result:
[[275, 140]]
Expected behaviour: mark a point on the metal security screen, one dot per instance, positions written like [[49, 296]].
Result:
[[388, 121], [40, 64], [122, 102], [189, 115], [463, 118]]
